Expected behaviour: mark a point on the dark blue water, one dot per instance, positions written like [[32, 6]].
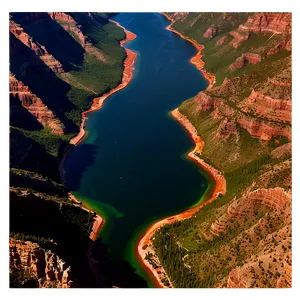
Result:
[[131, 167]]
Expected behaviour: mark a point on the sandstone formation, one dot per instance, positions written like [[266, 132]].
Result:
[[267, 107], [34, 105], [252, 58], [245, 206], [278, 47], [206, 102], [264, 130], [277, 23], [69, 24], [45, 267], [210, 32], [38, 49], [238, 38], [282, 151], [226, 128], [221, 41]]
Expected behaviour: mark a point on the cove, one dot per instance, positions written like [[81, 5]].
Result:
[[131, 167]]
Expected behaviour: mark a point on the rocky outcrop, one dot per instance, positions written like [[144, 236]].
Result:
[[267, 107], [277, 23], [285, 280], [252, 58], [44, 266], [238, 38], [278, 47], [282, 151], [262, 129], [210, 32], [33, 104], [206, 102], [37, 48], [221, 41], [245, 206], [69, 24], [226, 128]]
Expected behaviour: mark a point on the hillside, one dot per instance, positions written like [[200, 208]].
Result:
[[58, 62], [243, 238]]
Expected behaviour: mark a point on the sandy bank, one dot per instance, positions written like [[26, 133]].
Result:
[[195, 60], [145, 245], [127, 76], [97, 104]]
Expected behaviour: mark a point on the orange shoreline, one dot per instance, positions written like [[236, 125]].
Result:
[[195, 60], [145, 243], [97, 104]]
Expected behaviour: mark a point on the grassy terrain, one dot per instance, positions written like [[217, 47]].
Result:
[[190, 253], [67, 94], [40, 210]]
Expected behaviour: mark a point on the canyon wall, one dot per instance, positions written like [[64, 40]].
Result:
[[43, 266]]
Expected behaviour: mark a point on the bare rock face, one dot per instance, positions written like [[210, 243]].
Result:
[[275, 198], [277, 23], [238, 63], [179, 16], [267, 107], [238, 38], [34, 105], [221, 41], [206, 102], [252, 58], [210, 32], [38, 49], [226, 128], [278, 47], [44, 266], [282, 151], [69, 24], [262, 129]]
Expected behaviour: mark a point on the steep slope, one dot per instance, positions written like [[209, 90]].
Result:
[[59, 62], [243, 238]]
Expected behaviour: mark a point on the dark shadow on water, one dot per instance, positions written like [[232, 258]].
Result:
[[83, 156], [109, 272]]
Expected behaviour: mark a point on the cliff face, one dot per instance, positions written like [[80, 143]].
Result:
[[243, 238], [34, 105], [251, 58], [69, 24], [238, 38], [277, 23], [278, 110], [44, 267], [38, 49]]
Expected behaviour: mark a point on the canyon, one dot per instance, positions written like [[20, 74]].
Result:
[[45, 269], [244, 120], [238, 235]]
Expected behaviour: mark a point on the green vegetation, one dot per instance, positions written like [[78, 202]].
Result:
[[67, 94], [190, 253], [32, 238]]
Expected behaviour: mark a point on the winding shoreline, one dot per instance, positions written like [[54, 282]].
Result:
[[195, 60], [145, 244], [96, 105]]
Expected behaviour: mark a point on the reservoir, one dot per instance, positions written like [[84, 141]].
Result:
[[131, 167]]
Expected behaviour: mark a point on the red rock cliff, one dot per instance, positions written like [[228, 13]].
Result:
[[44, 266], [69, 24], [34, 105], [277, 23], [38, 49]]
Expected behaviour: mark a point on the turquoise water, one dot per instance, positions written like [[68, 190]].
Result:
[[132, 166]]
